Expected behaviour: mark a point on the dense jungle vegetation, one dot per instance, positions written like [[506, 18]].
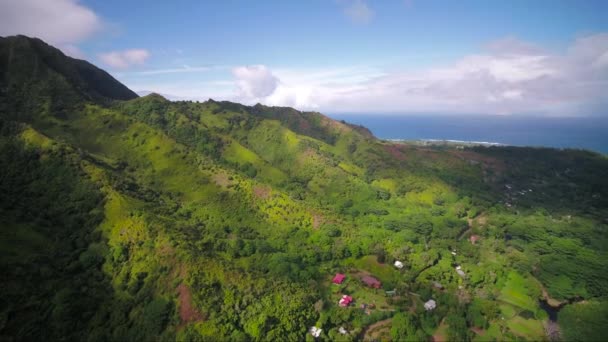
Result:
[[138, 218]]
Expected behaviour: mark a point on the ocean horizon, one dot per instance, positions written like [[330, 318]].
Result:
[[589, 133]]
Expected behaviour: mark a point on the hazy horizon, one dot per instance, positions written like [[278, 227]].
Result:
[[517, 57]]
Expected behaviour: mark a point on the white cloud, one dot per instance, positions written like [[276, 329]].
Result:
[[512, 94], [359, 12], [509, 77], [254, 82], [506, 77], [124, 59], [184, 69], [58, 21]]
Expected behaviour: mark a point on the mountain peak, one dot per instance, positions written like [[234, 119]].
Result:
[[27, 61]]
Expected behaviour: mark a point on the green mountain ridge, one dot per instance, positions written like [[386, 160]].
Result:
[[139, 218]]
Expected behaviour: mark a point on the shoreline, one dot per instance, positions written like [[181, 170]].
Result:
[[447, 142]]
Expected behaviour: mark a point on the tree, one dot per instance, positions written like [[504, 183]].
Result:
[[457, 330], [403, 327]]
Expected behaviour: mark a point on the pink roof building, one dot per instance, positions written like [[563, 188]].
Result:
[[474, 239], [371, 282], [345, 300], [339, 278]]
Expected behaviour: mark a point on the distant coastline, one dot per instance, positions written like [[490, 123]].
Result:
[[586, 133], [447, 142]]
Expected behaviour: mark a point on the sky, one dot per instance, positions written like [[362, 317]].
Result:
[[516, 57]]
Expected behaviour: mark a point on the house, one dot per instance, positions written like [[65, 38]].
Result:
[[437, 285], [338, 279], [474, 239], [315, 332], [391, 293], [371, 282], [398, 264], [342, 331], [345, 301], [430, 305], [460, 271]]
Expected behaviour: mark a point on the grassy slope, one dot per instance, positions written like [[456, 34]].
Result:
[[251, 209]]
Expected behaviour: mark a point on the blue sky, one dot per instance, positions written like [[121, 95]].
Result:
[[398, 56]]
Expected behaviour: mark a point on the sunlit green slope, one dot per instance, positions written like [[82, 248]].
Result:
[[127, 218]]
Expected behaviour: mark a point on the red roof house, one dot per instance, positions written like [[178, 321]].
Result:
[[474, 238], [371, 282], [345, 300], [339, 278]]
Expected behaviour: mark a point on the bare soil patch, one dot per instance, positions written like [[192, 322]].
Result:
[[261, 191], [221, 179], [478, 331], [487, 162], [187, 312], [377, 330], [395, 151], [317, 220], [440, 334]]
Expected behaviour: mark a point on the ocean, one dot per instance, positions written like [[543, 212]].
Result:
[[590, 133]]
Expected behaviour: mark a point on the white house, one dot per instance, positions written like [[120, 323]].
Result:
[[430, 305], [315, 332], [342, 331], [398, 264]]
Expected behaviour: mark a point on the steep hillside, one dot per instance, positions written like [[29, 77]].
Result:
[[138, 218], [37, 77]]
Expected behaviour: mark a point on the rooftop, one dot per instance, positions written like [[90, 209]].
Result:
[[371, 281], [338, 278]]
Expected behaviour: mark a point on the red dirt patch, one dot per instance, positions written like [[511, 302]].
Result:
[[307, 156], [221, 179], [395, 151], [438, 338], [187, 312], [333, 124], [478, 331], [166, 250], [317, 220], [261, 192], [488, 162], [439, 335], [377, 330]]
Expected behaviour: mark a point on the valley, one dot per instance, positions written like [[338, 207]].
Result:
[[139, 218]]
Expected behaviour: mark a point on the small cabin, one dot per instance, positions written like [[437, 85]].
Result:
[[371, 282], [338, 279], [398, 264], [345, 301], [474, 239], [315, 332], [430, 305]]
